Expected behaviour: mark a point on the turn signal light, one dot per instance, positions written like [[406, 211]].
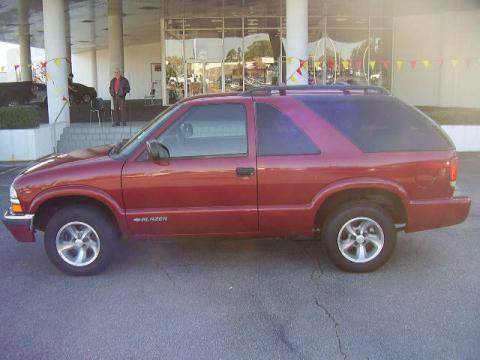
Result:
[[16, 208]]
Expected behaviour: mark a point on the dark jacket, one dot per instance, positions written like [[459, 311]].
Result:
[[124, 87]]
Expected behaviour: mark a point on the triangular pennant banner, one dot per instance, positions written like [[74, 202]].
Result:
[[413, 64], [454, 63], [345, 64], [386, 64], [371, 63], [304, 64], [56, 61], [290, 60], [440, 63], [426, 63], [399, 64], [468, 61]]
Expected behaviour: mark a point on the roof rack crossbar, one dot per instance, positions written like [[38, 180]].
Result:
[[345, 89]]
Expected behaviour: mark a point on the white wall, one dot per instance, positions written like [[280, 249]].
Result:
[[137, 69], [26, 144], [450, 35]]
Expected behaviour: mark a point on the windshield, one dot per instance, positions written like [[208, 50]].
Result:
[[145, 132]]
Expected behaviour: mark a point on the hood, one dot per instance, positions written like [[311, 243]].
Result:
[[79, 156]]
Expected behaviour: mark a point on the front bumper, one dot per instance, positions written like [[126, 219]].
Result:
[[20, 226], [432, 214]]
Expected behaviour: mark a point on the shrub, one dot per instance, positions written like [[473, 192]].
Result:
[[18, 117]]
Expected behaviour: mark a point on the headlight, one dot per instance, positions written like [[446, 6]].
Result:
[[13, 195]]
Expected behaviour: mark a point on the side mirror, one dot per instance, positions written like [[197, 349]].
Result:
[[157, 151]]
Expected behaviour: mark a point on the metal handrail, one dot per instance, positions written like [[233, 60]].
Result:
[[54, 140], [344, 89]]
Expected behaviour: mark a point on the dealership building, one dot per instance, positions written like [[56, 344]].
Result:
[[425, 52]]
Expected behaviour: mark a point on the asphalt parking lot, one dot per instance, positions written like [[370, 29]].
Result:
[[248, 299]]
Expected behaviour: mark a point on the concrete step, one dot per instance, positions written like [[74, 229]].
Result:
[[81, 136]]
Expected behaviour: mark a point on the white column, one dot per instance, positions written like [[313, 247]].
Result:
[[55, 48], [297, 41], [24, 41], [93, 51], [68, 37], [115, 35], [93, 68], [163, 62]]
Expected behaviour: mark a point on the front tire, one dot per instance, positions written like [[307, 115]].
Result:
[[359, 237], [80, 239]]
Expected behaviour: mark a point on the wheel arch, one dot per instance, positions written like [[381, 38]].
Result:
[[45, 206], [389, 196]]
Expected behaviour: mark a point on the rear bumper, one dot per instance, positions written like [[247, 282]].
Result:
[[431, 214], [20, 226]]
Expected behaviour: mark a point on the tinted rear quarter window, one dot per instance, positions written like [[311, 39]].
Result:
[[277, 134], [379, 123]]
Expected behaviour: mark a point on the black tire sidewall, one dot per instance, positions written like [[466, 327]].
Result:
[[98, 221], [342, 215]]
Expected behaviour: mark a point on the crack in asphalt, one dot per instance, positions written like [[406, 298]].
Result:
[[316, 281], [168, 275], [278, 328]]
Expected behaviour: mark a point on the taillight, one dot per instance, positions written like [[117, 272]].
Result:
[[453, 171]]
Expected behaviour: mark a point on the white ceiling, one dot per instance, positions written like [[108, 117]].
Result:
[[88, 18]]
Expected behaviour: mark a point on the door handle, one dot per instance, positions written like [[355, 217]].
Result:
[[249, 171]]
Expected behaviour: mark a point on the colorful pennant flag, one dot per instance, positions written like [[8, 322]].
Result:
[[56, 61], [371, 63], [426, 63], [345, 64], [413, 64], [454, 63], [386, 64], [399, 64]]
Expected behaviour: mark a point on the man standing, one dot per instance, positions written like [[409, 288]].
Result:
[[119, 88]]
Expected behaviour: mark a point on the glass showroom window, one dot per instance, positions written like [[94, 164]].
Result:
[[174, 64]]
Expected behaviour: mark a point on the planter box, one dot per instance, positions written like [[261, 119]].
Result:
[[465, 137], [28, 144]]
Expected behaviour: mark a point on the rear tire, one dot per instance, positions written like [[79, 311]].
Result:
[[359, 237], [80, 239]]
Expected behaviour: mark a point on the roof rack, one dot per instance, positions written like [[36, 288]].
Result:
[[344, 89]]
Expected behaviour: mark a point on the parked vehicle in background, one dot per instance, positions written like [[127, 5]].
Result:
[[350, 164], [16, 93], [82, 94]]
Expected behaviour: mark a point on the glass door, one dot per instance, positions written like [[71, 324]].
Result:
[[195, 76], [204, 78], [213, 78]]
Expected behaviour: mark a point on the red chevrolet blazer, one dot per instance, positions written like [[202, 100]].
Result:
[[352, 165]]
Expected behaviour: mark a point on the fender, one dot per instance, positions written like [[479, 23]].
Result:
[[300, 219], [85, 191], [359, 183]]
